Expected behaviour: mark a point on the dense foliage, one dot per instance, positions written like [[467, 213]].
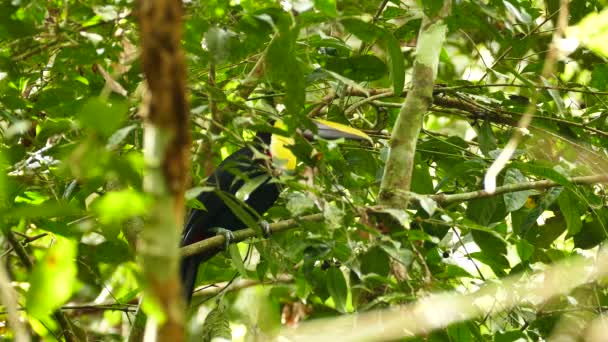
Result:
[[71, 197]]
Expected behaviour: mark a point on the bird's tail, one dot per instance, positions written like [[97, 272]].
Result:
[[189, 271]]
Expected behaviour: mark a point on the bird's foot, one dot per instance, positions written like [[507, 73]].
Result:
[[227, 234], [266, 232]]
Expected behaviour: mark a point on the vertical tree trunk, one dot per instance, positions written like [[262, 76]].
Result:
[[397, 178], [166, 145]]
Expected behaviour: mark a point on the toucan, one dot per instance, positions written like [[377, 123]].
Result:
[[246, 165]]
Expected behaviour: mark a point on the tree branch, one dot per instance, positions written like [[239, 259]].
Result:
[[515, 187], [167, 165], [397, 177], [218, 242]]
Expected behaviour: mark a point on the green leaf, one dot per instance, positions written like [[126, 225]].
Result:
[[510, 336], [515, 200], [241, 210], [432, 7], [375, 260], [594, 230], [112, 252], [396, 66], [367, 32], [336, 285], [250, 186], [486, 138], [327, 7], [599, 77], [497, 262], [486, 210], [298, 203], [490, 243], [237, 260], [592, 32], [103, 117], [569, 205], [284, 67], [52, 279], [357, 68], [522, 225], [217, 325], [219, 43], [545, 171], [116, 206], [524, 250], [543, 236]]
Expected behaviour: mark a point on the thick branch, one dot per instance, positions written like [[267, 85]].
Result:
[[217, 242], [396, 180]]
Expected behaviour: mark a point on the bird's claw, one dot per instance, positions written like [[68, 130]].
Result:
[[227, 234], [266, 232]]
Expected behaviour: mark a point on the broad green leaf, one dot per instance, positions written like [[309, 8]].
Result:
[[543, 236], [515, 200], [569, 205], [497, 262], [327, 7], [453, 271], [240, 209], [336, 285], [119, 136], [299, 203], [486, 210], [52, 280], [545, 171], [112, 252], [237, 260], [518, 13], [218, 42], [594, 230], [357, 68], [103, 117], [423, 183], [592, 31], [367, 32], [116, 206], [375, 260], [599, 77], [523, 224], [486, 138], [284, 67], [524, 250], [250, 186], [217, 325], [396, 65], [490, 243]]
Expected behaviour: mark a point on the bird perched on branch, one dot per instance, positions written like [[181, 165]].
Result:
[[223, 212]]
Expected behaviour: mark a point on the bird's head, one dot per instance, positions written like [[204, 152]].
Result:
[[279, 144]]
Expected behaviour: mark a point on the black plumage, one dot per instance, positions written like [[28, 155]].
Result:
[[229, 177]]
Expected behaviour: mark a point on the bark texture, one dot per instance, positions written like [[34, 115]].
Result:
[[166, 155]]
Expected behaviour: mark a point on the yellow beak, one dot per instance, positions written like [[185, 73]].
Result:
[[284, 158]]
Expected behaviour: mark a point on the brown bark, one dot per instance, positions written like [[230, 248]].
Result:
[[167, 141]]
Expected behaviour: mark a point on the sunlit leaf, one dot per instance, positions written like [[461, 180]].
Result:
[[53, 279], [336, 285]]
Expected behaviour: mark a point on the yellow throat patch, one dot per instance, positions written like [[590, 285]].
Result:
[[281, 155]]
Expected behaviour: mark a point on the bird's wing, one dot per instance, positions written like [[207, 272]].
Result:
[[227, 177]]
